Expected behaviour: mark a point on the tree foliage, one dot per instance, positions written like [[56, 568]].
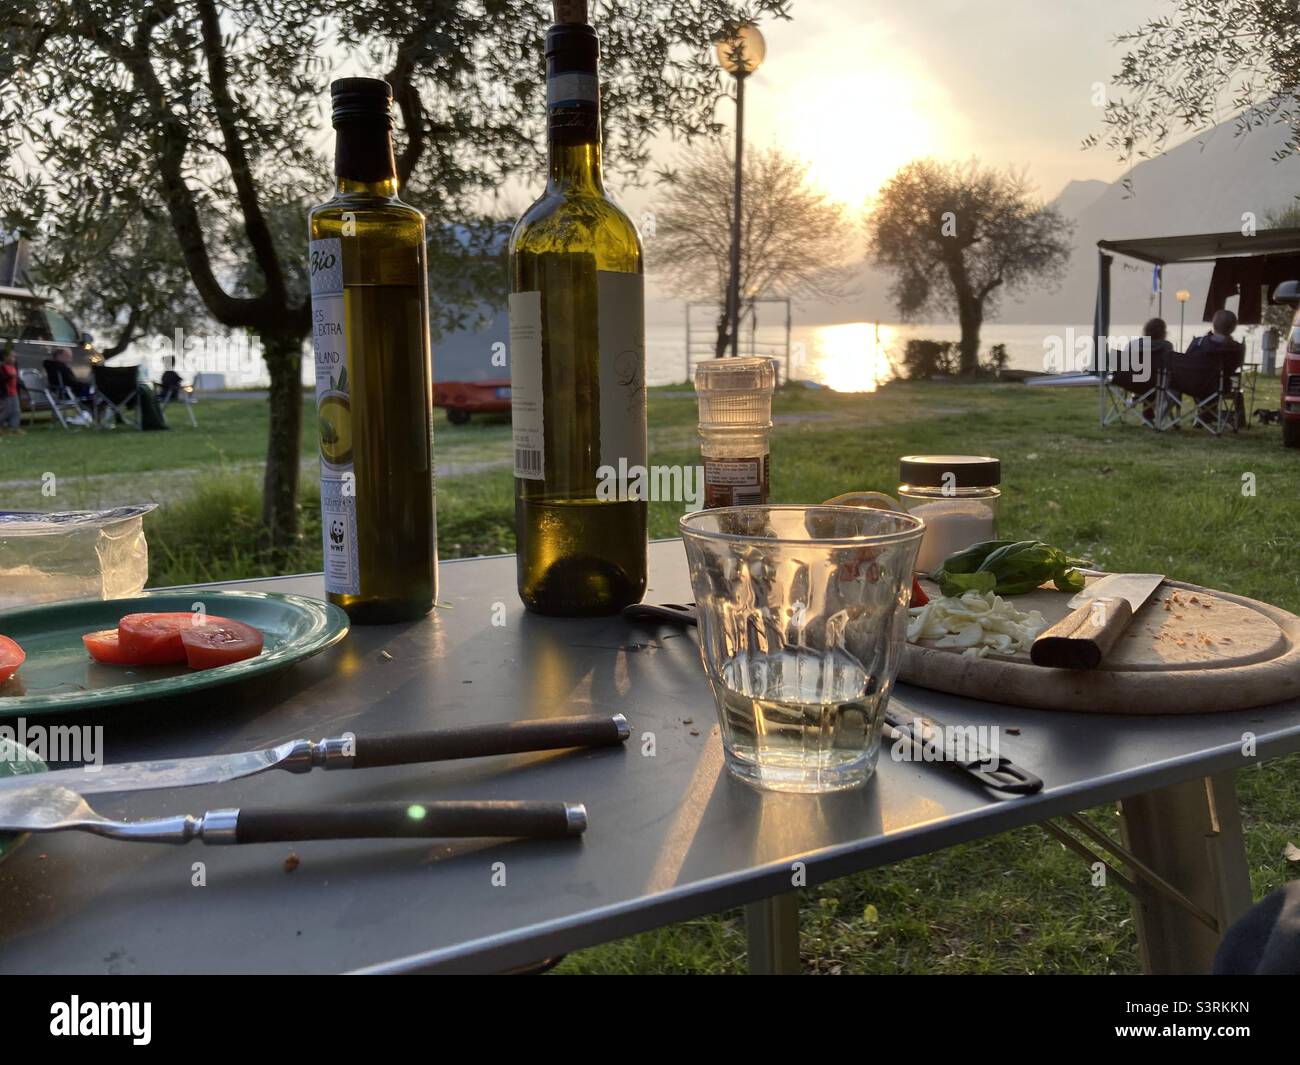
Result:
[[212, 114], [794, 241], [1207, 61], [958, 237]]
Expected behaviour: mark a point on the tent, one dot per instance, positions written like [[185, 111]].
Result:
[[1191, 248]]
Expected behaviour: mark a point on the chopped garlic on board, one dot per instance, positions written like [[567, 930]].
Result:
[[978, 623]]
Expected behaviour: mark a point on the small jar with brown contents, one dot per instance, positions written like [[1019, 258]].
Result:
[[735, 397]]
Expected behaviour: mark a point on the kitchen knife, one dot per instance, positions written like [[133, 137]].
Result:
[[339, 752], [57, 809], [1102, 611]]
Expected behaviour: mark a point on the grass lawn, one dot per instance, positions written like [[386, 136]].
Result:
[[1218, 512]]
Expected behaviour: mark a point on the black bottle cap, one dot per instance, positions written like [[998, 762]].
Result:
[[968, 471], [362, 99]]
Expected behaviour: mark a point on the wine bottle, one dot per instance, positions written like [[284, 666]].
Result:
[[374, 393], [577, 359]]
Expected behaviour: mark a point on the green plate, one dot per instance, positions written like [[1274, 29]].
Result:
[[59, 676], [15, 759]]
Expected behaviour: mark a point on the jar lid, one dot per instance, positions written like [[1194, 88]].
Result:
[[968, 471]]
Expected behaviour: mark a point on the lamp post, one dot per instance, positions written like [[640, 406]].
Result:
[[1182, 295], [740, 51]]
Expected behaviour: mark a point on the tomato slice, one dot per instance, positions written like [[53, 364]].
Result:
[[220, 642], [155, 639], [919, 598], [105, 647], [11, 657]]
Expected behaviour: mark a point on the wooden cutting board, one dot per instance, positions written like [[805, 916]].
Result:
[[1187, 651]]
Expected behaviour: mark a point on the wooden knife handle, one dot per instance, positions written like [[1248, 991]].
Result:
[[1082, 638]]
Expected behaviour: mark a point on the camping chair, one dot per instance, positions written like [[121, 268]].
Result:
[[116, 389], [60, 401], [1125, 399], [1214, 383], [169, 392]]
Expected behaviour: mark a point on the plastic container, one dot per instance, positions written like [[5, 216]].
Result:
[[735, 401], [956, 496], [81, 554]]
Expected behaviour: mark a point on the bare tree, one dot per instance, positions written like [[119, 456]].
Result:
[[211, 112], [957, 237], [793, 240]]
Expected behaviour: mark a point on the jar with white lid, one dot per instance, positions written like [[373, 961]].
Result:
[[956, 496]]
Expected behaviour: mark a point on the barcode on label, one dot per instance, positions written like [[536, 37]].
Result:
[[528, 462], [743, 497]]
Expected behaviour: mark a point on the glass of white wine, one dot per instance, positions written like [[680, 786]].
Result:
[[802, 616]]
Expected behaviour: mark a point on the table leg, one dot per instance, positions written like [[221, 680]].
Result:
[[1189, 833], [772, 929]]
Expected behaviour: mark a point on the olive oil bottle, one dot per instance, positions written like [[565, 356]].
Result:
[[577, 358], [374, 393]]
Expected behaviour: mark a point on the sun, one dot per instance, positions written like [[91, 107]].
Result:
[[855, 130]]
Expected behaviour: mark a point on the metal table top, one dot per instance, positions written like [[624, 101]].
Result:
[[671, 835]]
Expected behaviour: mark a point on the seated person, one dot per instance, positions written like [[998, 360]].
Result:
[[1203, 370], [1144, 358], [170, 386], [58, 372]]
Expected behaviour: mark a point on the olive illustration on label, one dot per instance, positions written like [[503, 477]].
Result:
[[335, 417]]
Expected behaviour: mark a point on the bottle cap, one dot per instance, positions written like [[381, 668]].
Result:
[[968, 471], [735, 393], [571, 11], [365, 99]]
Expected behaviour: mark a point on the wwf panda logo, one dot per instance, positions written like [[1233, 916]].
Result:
[[336, 533]]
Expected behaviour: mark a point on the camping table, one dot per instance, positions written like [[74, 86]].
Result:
[[671, 835]]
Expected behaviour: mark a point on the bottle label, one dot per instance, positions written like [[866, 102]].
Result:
[[338, 496], [526, 385], [735, 482], [620, 324], [578, 91]]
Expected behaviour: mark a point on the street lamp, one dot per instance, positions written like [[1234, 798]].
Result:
[[740, 51], [1182, 296]]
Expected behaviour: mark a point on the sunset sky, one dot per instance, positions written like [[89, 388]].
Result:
[[859, 88]]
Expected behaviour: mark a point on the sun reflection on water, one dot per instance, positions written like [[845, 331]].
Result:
[[850, 357]]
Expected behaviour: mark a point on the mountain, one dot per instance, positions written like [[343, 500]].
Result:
[[1213, 182], [1078, 196]]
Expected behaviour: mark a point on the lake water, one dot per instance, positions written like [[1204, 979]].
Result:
[[848, 357]]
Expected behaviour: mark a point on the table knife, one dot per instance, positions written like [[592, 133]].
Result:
[[338, 752], [40, 808], [919, 732], [1102, 611]]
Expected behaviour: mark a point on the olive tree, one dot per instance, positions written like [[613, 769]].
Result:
[[210, 113], [957, 237]]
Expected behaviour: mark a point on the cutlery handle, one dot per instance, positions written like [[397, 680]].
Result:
[[664, 613], [479, 741], [1082, 638], [389, 820]]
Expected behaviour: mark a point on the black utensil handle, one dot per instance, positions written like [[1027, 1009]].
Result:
[[539, 820], [664, 613], [479, 741]]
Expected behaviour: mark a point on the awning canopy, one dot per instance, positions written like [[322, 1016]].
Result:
[[1204, 247], [1191, 248]]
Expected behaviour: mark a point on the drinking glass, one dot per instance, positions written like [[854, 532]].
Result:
[[802, 616]]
